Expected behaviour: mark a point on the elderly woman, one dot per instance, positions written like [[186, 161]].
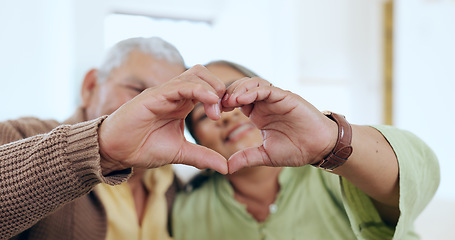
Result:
[[298, 173]]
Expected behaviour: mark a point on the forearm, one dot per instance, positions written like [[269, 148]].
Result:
[[43, 172], [373, 166]]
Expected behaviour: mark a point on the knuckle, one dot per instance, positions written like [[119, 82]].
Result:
[[198, 67]]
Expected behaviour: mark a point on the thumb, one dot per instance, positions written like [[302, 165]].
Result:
[[203, 158], [250, 157]]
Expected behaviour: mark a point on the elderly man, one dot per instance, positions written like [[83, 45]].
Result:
[[131, 116]]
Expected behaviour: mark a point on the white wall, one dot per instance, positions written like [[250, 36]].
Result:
[[424, 85], [286, 42], [339, 54], [425, 78], [36, 59], [315, 48]]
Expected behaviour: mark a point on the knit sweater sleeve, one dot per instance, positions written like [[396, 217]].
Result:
[[39, 174]]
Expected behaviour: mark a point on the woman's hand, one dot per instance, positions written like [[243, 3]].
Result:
[[294, 132]]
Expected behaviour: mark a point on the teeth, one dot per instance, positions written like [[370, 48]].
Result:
[[238, 130]]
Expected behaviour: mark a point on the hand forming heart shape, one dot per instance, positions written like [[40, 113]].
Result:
[[148, 131]]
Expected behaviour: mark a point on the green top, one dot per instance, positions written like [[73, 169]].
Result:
[[312, 203]]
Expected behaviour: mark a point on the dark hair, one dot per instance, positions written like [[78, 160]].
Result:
[[245, 71]]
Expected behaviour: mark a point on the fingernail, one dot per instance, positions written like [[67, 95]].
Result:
[[214, 94], [217, 108], [226, 97]]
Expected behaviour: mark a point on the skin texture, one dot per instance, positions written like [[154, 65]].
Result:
[[139, 72], [256, 187], [146, 100], [294, 133], [215, 134]]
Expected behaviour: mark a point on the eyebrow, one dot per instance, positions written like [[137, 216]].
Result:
[[135, 80], [197, 105], [200, 118]]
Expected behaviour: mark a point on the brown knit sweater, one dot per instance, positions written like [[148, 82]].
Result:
[[47, 172]]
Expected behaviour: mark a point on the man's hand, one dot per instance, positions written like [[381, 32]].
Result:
[[148, 131], [294, 132]]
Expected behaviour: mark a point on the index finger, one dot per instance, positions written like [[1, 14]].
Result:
[[204, 74], [240, 87]]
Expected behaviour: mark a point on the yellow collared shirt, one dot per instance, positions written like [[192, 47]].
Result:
[[121, 212]]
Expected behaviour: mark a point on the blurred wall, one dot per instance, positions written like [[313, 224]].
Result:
[[424, 84], [288, 42], [36, 59], [329, 52]]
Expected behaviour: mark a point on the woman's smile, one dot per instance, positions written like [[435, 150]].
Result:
[[238, 132]]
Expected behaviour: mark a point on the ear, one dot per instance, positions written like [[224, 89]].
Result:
[[88, 85]]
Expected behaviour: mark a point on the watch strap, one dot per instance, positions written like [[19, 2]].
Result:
[[343, 149]]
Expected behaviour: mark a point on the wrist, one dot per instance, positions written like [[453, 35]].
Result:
[[332, 139], [342, 148], [107, 163]]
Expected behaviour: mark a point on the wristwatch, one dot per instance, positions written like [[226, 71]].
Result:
[[343, 149]]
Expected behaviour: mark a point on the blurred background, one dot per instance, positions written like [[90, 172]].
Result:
[[375, 61]]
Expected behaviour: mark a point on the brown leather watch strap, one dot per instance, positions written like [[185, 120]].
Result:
[[343, 149]]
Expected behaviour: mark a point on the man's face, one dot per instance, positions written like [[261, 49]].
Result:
[[139, 71]]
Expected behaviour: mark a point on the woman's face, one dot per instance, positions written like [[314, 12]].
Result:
[[233, 131]]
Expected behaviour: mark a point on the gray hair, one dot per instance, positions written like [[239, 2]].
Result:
[[153, 46]]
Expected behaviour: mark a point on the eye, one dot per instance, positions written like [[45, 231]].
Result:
[[199, 114], [201, 118], [136, 89]]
